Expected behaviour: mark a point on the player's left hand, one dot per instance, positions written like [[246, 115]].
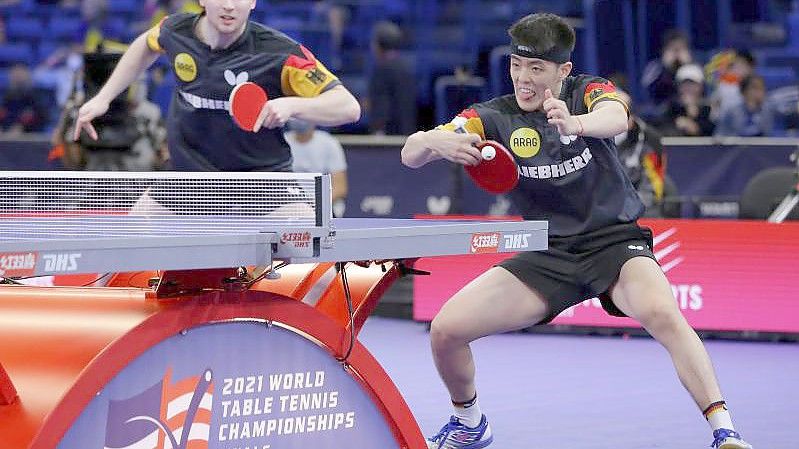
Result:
[[275, 114], [558, 114]]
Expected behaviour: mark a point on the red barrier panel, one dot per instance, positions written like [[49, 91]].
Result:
[[726, 276]]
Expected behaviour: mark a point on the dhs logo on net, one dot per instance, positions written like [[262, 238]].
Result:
[[517, 241], [61, 262], [487, 242]]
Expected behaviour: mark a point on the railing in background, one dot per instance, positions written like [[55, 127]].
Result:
[[710, 175]]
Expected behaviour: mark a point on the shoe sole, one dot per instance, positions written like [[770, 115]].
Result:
[[732, 446]]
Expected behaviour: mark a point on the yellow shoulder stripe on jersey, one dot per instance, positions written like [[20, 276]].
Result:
[[305, 76], [468, 120], [152, 37], [610, 96]]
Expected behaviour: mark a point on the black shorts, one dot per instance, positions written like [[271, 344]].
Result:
[[581, 267]]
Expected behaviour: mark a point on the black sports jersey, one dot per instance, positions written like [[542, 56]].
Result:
[[201, 133], [578, 187]]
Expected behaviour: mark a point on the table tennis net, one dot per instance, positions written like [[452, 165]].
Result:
[[178, 199]]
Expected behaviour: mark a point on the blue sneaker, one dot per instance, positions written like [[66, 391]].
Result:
[[728, 439], [455, 435]]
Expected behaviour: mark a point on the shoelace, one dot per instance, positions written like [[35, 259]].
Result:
[[724, 433], [442, 434]]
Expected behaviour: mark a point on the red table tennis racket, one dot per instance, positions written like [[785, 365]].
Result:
[[497, 172], [246, 101]]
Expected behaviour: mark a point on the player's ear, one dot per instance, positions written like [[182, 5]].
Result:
[[565, 69], [252, 4]]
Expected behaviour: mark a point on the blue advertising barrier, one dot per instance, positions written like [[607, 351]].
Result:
[[703, 169]]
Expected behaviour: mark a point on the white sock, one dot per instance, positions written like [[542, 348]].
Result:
[[719, 417], [469, 413]]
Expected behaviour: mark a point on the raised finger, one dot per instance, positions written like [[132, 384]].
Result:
[[259, 122]]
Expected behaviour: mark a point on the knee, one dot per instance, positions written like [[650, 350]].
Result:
[[661, 321], [445, 332]]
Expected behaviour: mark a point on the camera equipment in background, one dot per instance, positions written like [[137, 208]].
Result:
[[116, 129]]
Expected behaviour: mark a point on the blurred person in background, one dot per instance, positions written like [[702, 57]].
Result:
[[59, 70], [659, 77], [317, 151], [642, 157], [688, 112], [751, 118], [131, 137], [156, 10], [391, 104], [727, 70], [23, 108]]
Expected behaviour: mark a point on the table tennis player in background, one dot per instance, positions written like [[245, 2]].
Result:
[[210, 53], [560, 128]]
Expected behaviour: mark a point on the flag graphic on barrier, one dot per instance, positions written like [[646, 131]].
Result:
[[164, 416]]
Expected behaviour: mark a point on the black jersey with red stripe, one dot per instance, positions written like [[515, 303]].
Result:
[[579, 186], [201, 133]]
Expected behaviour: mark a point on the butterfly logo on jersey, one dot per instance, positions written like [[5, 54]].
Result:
[[235, 80]]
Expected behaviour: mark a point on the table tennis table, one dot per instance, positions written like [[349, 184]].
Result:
[[203, 227]]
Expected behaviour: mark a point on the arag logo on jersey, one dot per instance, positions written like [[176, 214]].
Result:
[[486, 242], [185, 67], [525, 142]]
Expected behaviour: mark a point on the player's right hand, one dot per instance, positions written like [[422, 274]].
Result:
[[456, 147], [88, 112]]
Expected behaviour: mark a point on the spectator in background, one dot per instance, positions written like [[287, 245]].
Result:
[[687, 113], [145, 151], [641, 155], [59, 70], [392, 86], [336, 15], [728, 70], [156, 10], [659, 77], [752, 118], [23, 108], [317, 151], [93, 32]]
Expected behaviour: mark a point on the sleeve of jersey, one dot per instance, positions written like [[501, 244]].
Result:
[[153, 36], [468, 120], [305, 76], [598, 90]]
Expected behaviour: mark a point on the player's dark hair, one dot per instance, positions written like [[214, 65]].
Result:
[[544, 32]]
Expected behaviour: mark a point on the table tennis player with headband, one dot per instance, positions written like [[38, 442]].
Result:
[[596, 247]]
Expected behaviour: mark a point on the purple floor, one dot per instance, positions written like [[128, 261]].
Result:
[[580, 392]]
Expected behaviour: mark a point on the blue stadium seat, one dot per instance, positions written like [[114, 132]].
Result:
[[776, 77], [65, 28], [3, 80], [116, 28], [432, 64], [498, 75], [45, 49], [124, 7], [25, 29], [18, 9], [452, 95], [11, 54]]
